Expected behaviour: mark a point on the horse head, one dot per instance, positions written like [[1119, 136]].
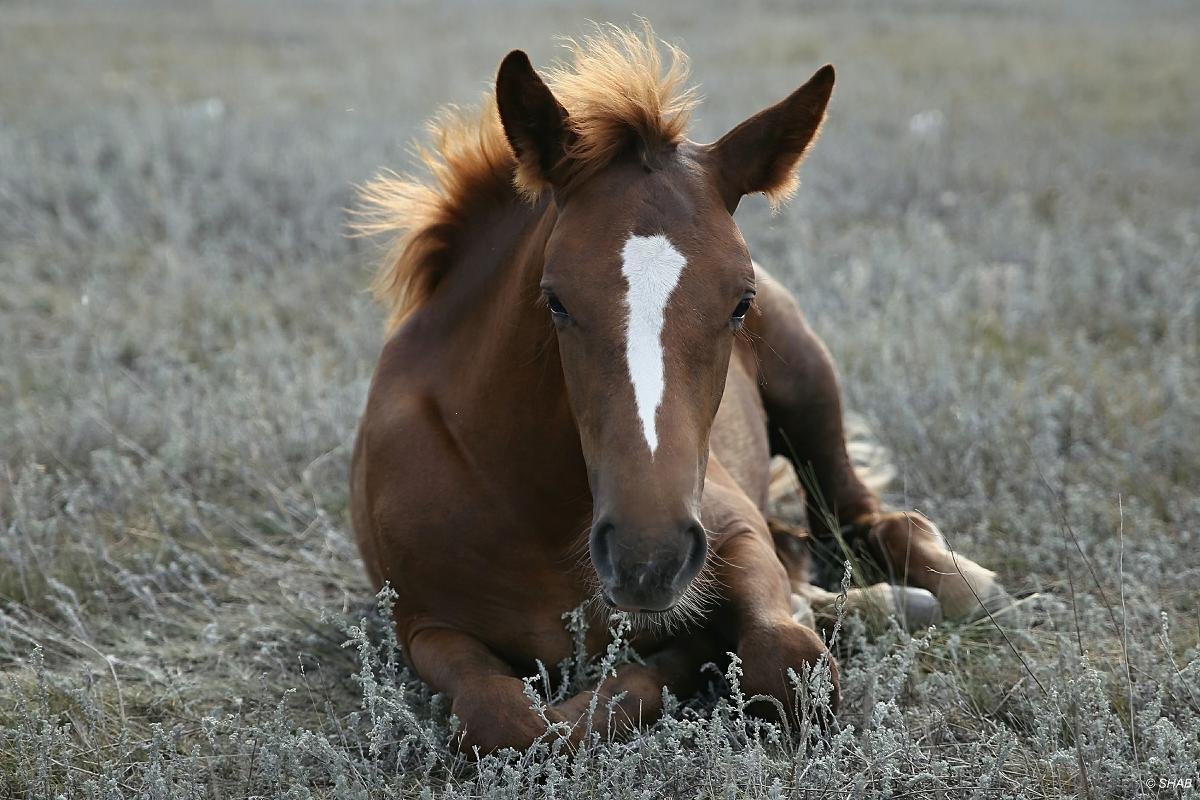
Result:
[[647, 280]]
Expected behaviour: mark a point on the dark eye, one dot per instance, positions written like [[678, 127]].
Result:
[[556, 307], [739, 314]]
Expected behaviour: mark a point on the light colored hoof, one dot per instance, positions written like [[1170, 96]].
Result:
[[880, 603], [916, 608]]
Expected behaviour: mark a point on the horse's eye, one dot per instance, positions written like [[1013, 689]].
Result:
[[556, 307], [739, 314]]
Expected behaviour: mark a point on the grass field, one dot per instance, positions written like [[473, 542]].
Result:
[[998, 235]]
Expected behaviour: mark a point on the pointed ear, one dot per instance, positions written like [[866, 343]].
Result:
[[535, 124], [761, 154]]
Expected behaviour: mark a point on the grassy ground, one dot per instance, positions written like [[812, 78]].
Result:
[[997, 235]]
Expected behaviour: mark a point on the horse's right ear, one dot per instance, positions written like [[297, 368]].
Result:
[[535, 124]]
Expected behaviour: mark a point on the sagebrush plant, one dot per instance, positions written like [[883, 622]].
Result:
[[996, 235]]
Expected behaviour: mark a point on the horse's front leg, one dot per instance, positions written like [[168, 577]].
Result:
[[769, 641], [633, 696], [758, 611], [486, 695]]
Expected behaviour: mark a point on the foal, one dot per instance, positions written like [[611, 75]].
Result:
[[584, 358]]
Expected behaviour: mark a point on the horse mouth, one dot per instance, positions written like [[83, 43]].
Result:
[[630, 609], [686, 610]]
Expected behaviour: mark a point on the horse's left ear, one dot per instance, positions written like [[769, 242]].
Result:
[[761, 154], [535, 124]]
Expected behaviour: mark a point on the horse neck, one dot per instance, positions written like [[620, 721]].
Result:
[[514, 379]]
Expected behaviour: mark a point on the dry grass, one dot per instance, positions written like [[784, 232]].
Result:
[[997, 236]]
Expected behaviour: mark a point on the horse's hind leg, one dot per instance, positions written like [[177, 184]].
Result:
[[800, 392], [816, 607], [908, 547]]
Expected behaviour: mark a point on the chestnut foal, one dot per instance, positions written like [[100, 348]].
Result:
[[582, 350]]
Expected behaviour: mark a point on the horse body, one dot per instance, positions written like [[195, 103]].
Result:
[[449, 494], [459, 496], [586, 380]]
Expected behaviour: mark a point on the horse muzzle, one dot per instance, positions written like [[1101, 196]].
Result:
[[644, 571]]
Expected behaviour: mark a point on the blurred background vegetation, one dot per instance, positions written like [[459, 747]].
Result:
[[998, 235]]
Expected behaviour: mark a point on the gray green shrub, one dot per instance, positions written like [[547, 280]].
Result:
[[997, 235]]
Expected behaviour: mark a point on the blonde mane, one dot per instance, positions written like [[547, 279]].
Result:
[[616, 91]]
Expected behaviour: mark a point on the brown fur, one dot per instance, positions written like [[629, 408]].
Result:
[[618, 93], [496, 433], [468, 161], [786, 131]]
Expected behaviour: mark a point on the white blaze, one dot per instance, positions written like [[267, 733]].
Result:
[[651, 266]]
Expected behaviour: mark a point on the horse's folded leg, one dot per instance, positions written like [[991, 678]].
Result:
[[913, 551], [802, 611], [486, 696], [495, 713], [634, 695], [771, 643], [776, 662], [915, 608]]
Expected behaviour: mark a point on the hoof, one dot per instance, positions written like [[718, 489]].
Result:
[[878, 604], [916, 608], [769, 653]]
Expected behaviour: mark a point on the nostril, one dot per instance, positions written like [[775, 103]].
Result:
[[600, 544], [697, 552], [699, 539]]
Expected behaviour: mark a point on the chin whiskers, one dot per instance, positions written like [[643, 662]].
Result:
[[689, 610], [700, 597], [693, 606]]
